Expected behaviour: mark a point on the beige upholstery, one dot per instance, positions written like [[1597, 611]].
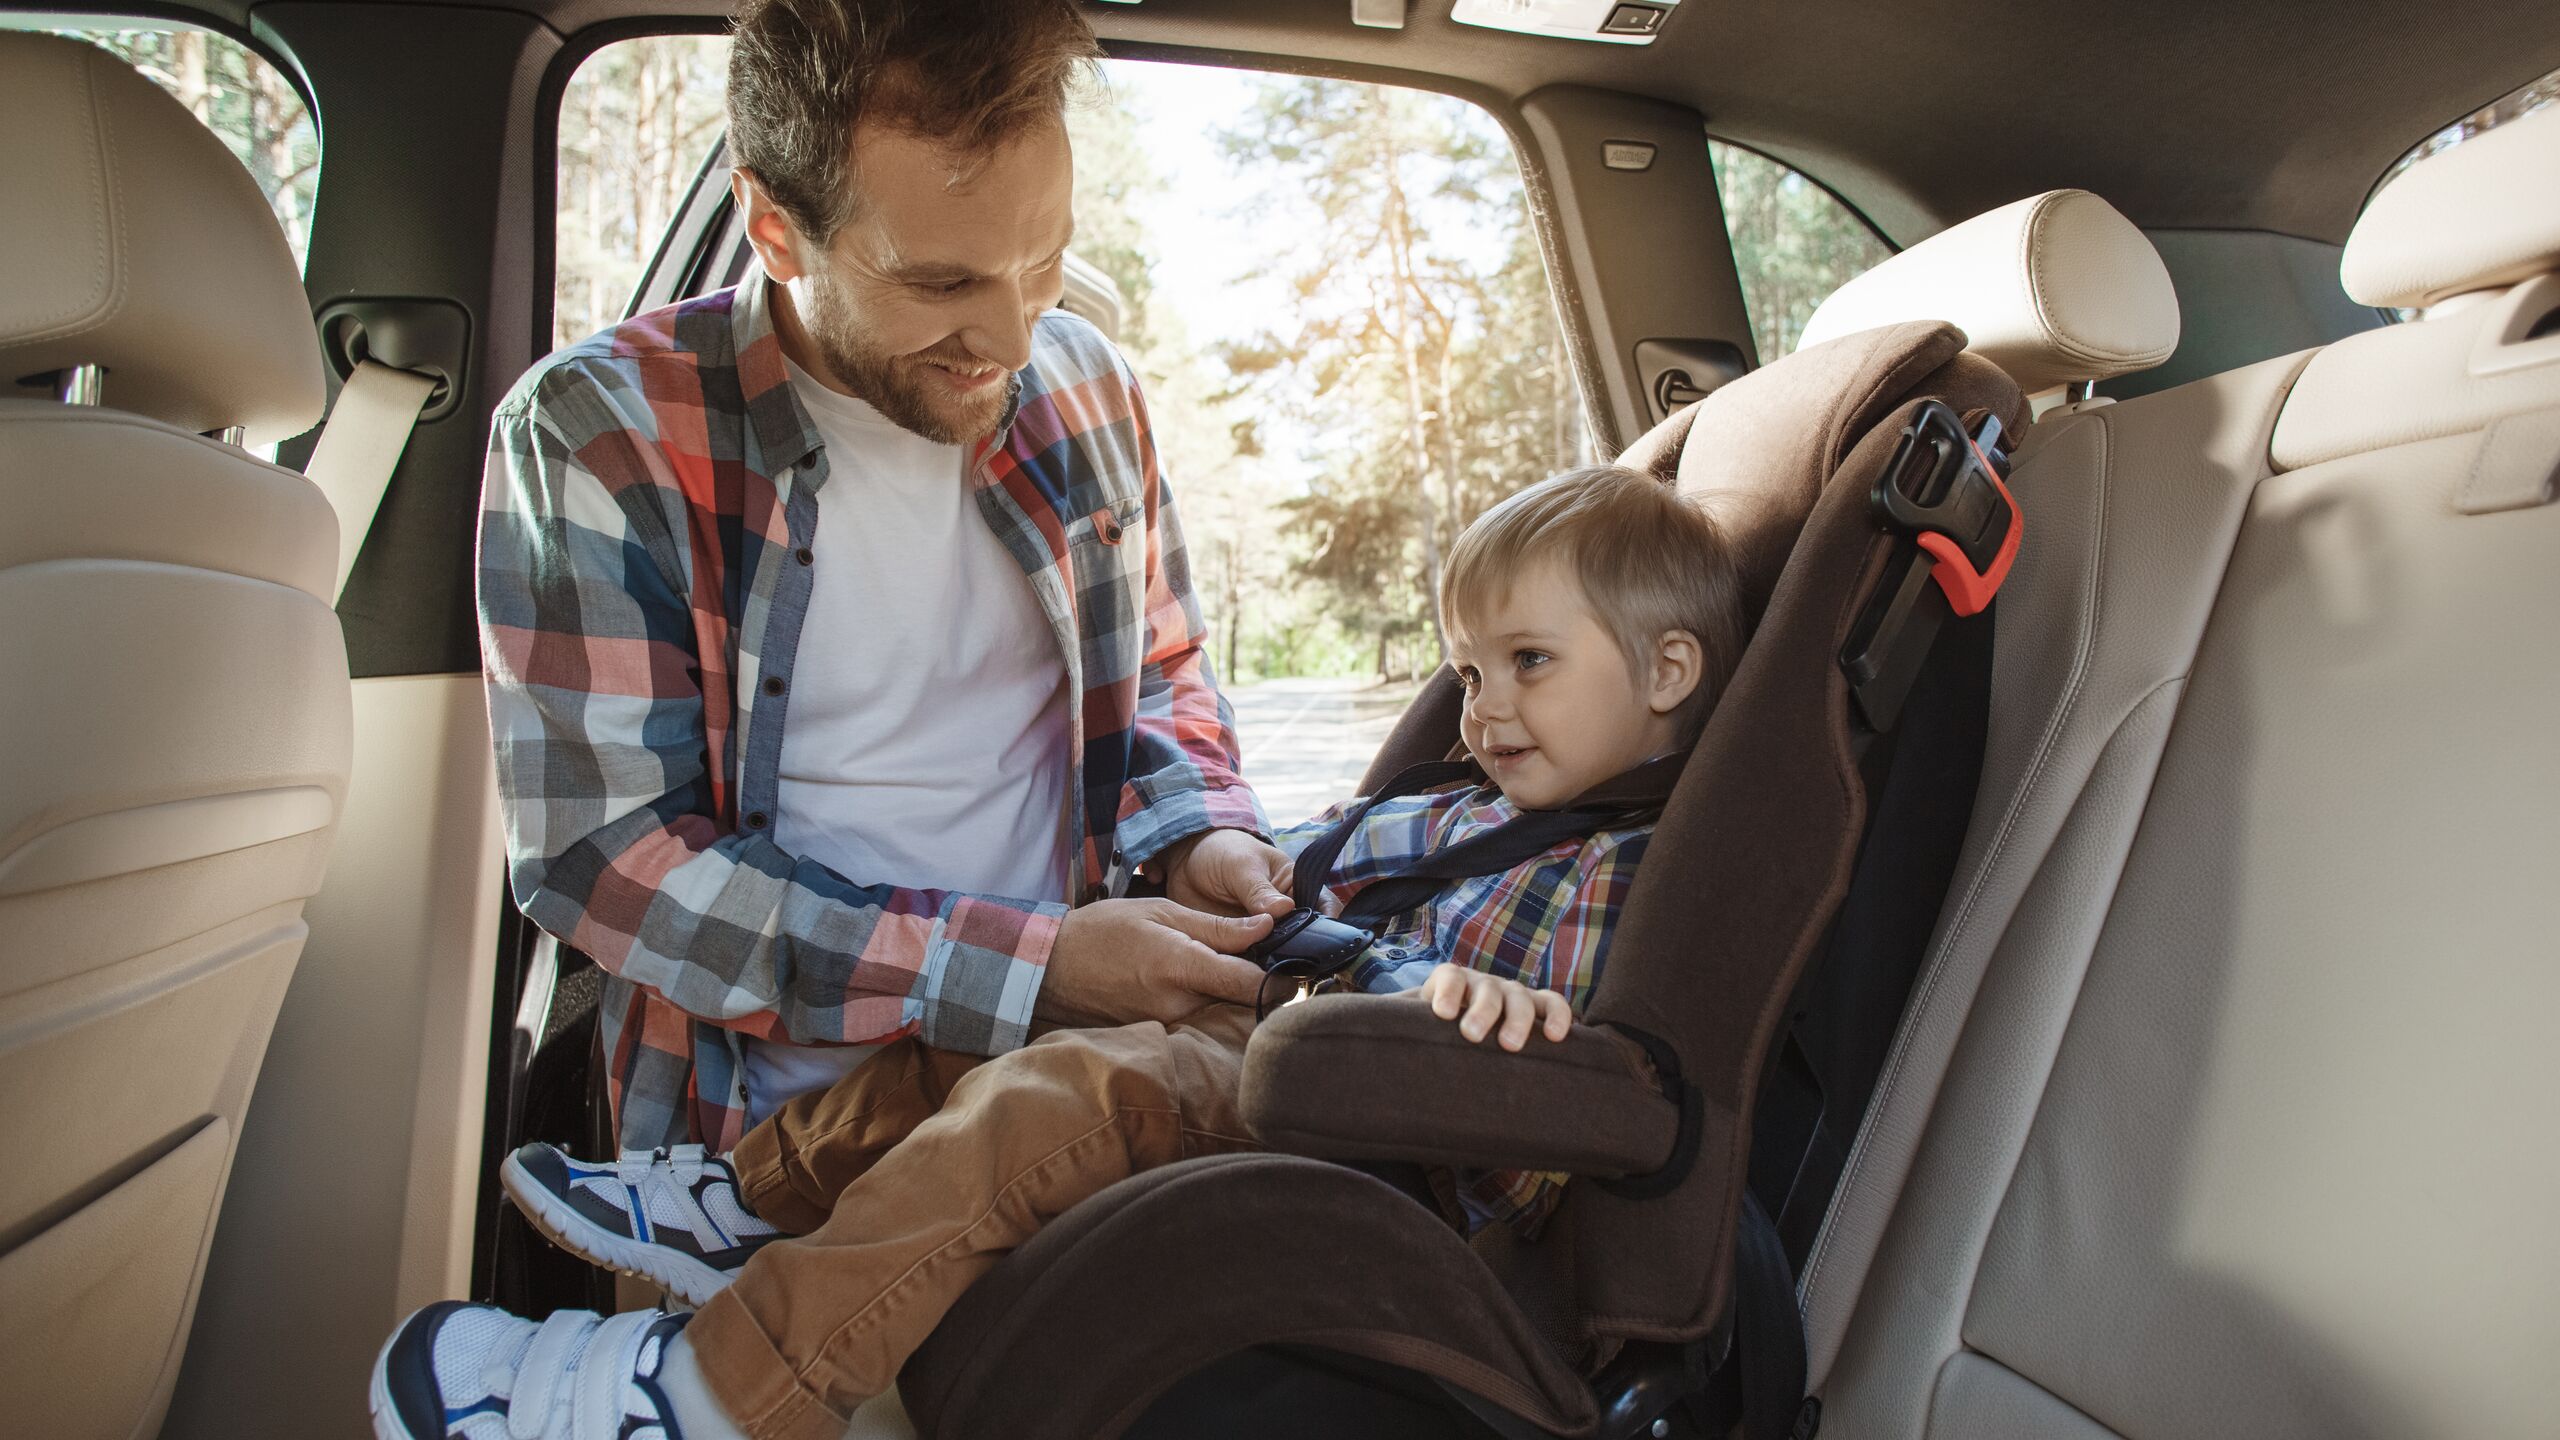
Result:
[[132, 239], [177, 725], [2223, 1103], [2479, 216], [2055, 288]]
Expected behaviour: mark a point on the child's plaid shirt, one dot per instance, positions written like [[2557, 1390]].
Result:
[[644, 583], [1544, 922]]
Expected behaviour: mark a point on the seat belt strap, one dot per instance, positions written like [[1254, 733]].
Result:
[[1768, 1332], [360, 447], [1633, 798]]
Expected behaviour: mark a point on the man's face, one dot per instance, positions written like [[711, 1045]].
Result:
[[923, 304], [1553, 708]]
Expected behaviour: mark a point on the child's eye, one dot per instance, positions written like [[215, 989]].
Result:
[[1468, 679], [1529, 659]]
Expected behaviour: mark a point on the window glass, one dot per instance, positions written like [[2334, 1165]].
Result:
[[239, 97], [1793, 242], [1334, 297], [635, 123]]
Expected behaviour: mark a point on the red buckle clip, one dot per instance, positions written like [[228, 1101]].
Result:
[[1970, 590], [1944, 491]]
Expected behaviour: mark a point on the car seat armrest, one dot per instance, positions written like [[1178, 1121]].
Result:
[[1379, 1077]]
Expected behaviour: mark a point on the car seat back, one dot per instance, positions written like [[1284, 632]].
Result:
[[2226, 1106], [1336, 1077], [176, 715]]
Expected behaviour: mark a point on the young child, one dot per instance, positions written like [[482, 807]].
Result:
[[1592, 620]]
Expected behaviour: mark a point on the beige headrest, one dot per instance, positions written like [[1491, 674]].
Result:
[[133, 240], [2480, 216], [2054, 288]]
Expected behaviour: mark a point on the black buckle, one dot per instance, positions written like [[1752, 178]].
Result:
[[1304, 950], [1943, 491]]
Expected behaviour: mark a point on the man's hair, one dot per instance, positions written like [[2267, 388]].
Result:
[[1648, 561], [970, 73]]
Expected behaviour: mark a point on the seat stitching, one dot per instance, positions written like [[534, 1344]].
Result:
[[1890, 1083], [101, 251], [2270, 411]]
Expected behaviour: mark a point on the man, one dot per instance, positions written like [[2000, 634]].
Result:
[[837, 625], [839, 635]]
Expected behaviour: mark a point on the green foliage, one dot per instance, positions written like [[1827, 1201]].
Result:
[[242, 99], [1792, 242], [1421, 367]]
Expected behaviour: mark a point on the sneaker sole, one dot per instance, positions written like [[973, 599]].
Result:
[[678, 1274], [377, 1399]]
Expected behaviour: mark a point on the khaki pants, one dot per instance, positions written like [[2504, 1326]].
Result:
[[914, 1175]]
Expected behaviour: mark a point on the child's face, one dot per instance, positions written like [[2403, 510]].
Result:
[[1552, 706]]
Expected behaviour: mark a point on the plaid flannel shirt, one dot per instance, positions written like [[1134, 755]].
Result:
[[1544, 922], [644, 585]]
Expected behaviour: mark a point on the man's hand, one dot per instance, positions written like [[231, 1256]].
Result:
[[1116, 961], [1228, 872], [1478, 1001]]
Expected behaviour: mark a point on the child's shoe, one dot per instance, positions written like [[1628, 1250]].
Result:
[[475, 1372], [673, 1217]]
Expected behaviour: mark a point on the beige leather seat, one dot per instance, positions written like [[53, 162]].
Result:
[[174, 718], [2227, 1101]]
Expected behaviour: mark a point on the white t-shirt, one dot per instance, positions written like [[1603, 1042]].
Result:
[[925, 743]]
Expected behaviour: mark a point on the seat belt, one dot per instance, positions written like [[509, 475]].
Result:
[[1768, 1334], [1633, 798], [360, 446]]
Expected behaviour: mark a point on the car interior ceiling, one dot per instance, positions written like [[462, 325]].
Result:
[[2245, 175]]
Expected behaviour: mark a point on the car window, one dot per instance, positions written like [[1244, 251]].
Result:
[[636, 120], [1793, 243], [238, 95], [1332, 293]]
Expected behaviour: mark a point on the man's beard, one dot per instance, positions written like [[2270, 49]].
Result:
[[902, 388]]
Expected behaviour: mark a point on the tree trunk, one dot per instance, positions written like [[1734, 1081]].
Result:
[[1399, 228], [187, 47]]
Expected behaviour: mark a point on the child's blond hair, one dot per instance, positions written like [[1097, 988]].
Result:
[[1648, 561]]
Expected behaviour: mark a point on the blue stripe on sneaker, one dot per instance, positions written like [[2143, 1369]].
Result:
[[639, 1215], [719, 1231], [491, 1406]]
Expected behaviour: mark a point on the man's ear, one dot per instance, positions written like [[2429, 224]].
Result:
[[1678, 663], [777, 243]]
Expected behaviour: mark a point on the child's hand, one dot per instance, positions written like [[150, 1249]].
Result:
[[1478, 1001]]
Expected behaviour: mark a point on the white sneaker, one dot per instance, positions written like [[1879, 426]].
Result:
[[475, 1372], [673, 1217]]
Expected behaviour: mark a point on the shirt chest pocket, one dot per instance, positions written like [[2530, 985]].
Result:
[[1108, 541]]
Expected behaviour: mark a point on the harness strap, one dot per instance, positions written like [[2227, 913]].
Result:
[[1623, 800]]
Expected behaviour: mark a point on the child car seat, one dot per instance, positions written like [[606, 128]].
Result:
[[1197, 1274]]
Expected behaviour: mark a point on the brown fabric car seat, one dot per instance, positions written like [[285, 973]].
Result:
[[1746, 878], [1360, 1077]]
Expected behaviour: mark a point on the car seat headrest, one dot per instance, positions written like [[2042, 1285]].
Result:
[[2055, 288], [2480, 216], [134, 241], [1758, 451]]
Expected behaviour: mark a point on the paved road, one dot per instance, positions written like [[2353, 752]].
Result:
[[1306, 742]]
